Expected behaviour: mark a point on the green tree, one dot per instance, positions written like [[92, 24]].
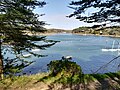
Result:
[[17, 19], [96, 10], [68, 71]]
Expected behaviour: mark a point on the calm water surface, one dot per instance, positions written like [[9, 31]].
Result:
[[85, 50]]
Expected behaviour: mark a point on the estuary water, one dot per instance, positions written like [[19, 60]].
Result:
[[85, 51]]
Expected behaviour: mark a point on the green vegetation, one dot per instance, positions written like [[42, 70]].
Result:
[[82, 30], [16, 19], [68, 71], [63, 74], [114, 30], [20, 82], [57, 31], [99, 11]]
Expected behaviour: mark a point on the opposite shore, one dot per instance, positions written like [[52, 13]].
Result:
[[48, 34], [113, 31]]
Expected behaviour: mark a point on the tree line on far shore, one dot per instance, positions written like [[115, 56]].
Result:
[[113, 30]]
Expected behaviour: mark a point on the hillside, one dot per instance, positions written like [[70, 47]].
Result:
[[57, 31], [113, 31], [108, 81]]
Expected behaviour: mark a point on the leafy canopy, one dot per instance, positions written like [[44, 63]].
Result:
[[96, 10], [17, 22], [68, 71]]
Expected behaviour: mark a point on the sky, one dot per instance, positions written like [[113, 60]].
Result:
[[55, 14]]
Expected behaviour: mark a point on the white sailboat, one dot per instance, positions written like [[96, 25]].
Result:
[[112, 49]]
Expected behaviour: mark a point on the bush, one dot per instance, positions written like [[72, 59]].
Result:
[[68, 70]]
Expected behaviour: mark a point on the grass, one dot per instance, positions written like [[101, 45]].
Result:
[[24, 82], [17, 82]]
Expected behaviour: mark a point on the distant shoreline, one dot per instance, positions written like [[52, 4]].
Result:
[[42, 34], [53, 33], [48, 34], [114, 36]]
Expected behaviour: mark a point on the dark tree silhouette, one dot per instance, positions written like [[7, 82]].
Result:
[[17, 19], [98, 10]]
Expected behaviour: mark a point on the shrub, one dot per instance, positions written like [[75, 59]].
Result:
[[68, 70]]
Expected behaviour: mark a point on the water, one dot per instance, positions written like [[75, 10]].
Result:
[[85, 50]]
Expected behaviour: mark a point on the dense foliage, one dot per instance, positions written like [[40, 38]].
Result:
[[68, 71], [17, 23], [96, 10]]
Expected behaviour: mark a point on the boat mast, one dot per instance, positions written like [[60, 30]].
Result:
[[113, 44]]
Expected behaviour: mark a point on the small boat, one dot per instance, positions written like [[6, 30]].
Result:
[[67, 57], [35, 50], [112, 49], [26, 55]]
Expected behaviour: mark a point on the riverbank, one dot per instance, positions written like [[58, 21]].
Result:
[[113, 31], [116, 36], [42, 81], [107, 32], [42, 34], [52, 33], [48, 34]]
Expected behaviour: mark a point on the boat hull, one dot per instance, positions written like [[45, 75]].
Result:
[[111, 50]]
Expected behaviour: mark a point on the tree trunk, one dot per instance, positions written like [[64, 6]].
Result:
[[1, 63]]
